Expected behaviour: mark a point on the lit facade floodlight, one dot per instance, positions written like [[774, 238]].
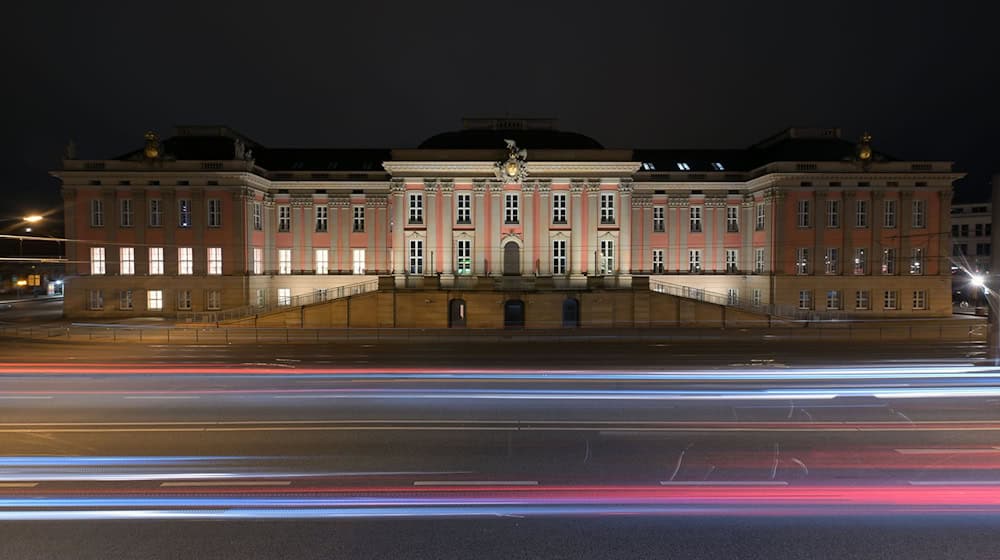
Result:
[[978, 280], [33, 218], [22, 283]]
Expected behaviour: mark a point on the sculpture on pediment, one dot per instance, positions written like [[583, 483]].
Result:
[[514, 168]]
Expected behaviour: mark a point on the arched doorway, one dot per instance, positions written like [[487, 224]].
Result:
[[513, 314], [457, 313], [511, 259], [571, 312]]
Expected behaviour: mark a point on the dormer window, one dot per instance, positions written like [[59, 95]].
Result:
[[683, 166], [718, 166], [648, 167]]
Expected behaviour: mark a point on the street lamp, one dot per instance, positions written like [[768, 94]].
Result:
[[34, 218]]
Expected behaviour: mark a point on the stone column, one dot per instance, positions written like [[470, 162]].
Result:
[[528, 228], [944, 233], [431, 253], [447, 235], [199, 215], [625, 228], [644, 213], [904, 222], [379, 235], [746, 235], [479, 253], [371, 233], [876, 216], [577, 251], [398, 190], [847, 222], [683, 205], [302, 232], [715, 230], [544, 254], [333, 212], [774, 218], [270, 226], [819, 226], [593, 222], [496, 227]]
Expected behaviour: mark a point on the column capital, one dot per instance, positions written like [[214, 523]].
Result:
[[430, 186], [496, 187], [576, 187], [625, 187], [397, 187], [527, 187], [447, 187]]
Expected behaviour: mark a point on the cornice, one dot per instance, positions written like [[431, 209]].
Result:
[[487, 168]]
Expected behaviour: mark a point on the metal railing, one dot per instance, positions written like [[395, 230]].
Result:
[[788, 312], [317, 296]]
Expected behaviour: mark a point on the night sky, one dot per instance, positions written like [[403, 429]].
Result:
[[923, 80]]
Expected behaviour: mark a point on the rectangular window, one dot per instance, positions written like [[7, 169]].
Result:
[[214, 212], [982, 249], [258, 260], [464, 202], [155, 213], [284, 218], [861, 300], [215, 260], [803, 218], [261, 297], [607, 257], [185, 260], [127, 260], [416, 256], [965, 230], [321, 217], [125, 300], [258, 218], [694, 260], [358, 256], [97, 214], [833, 299], [95, 300], [732, 258], [954, 230], [322, 261], [284, 296], [559, 256], [464, 260], [917, 260], [860, 261], [733, 296], [155, 260], [888, 261], [760, 217], [861, 213], [732, 219], [558, 208], [889, 220], [657, 261], [919, 299], [919, 214], [979, 230], [833, 214], [284, 261], [607, 208], [184, 213], [97, 263], [416, 208], [805, 299], [755, 298], [889, 299], [359, 219], [510, 208], [154, 300], [213, 300], [758, 260], [659, 223], [695, 219], [802, 260], [184, 300], [831, 261], [127, 214]]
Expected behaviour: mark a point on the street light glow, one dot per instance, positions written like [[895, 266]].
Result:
[[978, 280], [33, 218]]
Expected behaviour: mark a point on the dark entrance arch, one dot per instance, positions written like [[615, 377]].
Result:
[[457, 313], [513, 314], [571, 312], [511, 259]]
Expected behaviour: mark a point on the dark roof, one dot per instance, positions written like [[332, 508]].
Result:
[[489, 139]]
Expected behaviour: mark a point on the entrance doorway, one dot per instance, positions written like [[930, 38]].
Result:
[[511, 259], [513, 314], [571, 312], [456, 313]]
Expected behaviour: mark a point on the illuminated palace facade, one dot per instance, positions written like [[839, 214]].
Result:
[[209, 219]]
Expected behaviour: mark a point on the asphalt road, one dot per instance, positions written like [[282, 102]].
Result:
[[517, 450]]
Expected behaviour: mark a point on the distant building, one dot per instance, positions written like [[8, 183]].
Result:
[[971, 231], [552, 229]]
